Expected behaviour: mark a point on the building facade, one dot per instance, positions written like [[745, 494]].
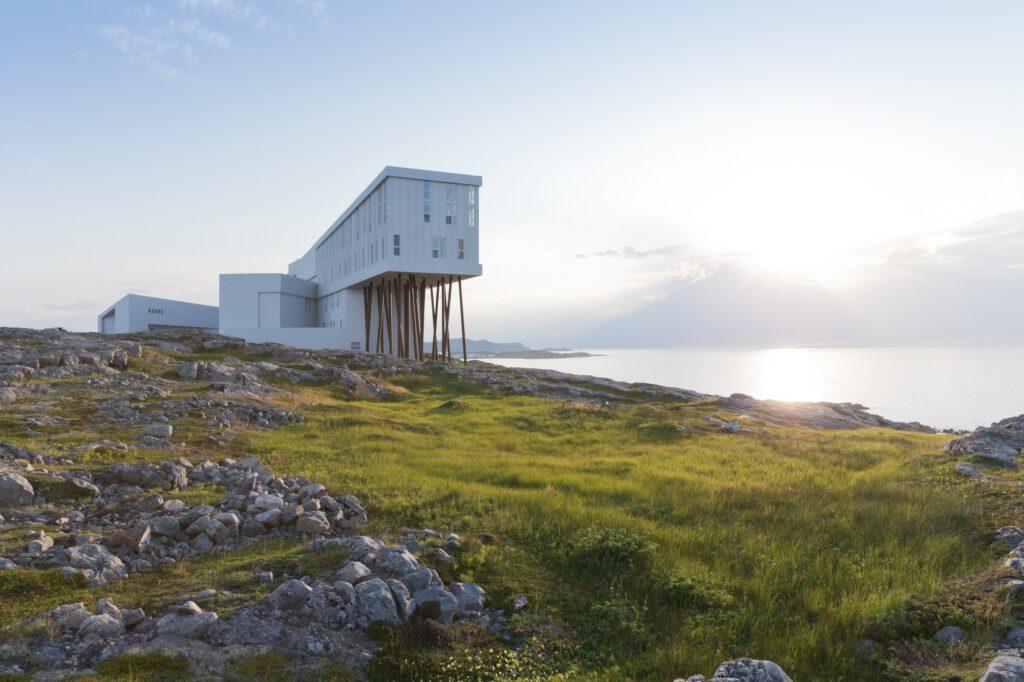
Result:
[[387, 270], [134, 313]]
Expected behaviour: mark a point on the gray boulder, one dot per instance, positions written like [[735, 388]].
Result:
[[159, 430], [446, 602], [950, 634], [398, 561], [750, 670], [166, 525], [40, 544], [421, 579], [313, 523], [403, 600], [69, 617], [1010, 535], [470, 597], [354, 572], [15, 490], [102, 626], [374, 601], [97, 563], [187, 621], [1004, 669], [290, 595]]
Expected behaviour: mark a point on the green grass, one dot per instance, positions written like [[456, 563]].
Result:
[[649, 546], [811, 538]]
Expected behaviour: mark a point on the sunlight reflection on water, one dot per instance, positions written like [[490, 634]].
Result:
[[942, 387]]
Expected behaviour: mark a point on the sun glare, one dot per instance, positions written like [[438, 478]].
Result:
[[788, 374]]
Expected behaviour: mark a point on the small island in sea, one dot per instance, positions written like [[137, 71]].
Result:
[[482, 349]]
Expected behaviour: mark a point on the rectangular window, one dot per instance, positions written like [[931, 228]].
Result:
[[426, 214], [398, 245], [439, 249], [462, 249], [471, 203]]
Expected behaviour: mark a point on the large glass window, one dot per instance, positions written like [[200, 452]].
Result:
[[471, 203], [462, 249], [439, 248], [398, 245]]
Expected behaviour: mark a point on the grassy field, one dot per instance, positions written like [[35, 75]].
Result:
[[649, 545], [664, 550]]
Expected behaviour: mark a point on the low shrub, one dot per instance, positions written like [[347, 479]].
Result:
[[692, 592], [616, 623], [612, 550]]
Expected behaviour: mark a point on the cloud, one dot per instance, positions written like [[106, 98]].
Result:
[[950, 288], [171, 42], [152, 49], [631, 252], [202, 33]]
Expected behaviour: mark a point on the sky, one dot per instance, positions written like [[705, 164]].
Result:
[[655, 174]]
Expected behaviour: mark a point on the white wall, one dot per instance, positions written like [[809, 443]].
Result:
[[266, 300], [313, 338], [134, 313]]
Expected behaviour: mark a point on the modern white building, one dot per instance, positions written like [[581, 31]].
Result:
[[134, 313], [383, 273]]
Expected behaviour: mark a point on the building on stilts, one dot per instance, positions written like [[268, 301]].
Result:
[[385, 277]]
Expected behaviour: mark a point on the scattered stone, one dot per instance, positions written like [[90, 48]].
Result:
[[446, 602], [1004, 669], [353, 572], [290, 595], [949, 634], [159, 431], [102, 626], [188, 621], [470, 597], [40, 544], [746, 670], [375, 602], [1010, 535], [15, 490]]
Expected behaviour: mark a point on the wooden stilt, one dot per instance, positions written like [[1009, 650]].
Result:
[[423, 317], [412, 314], [433, 312], [447, 343], [398, 318], [387, 314], [407, 320], [367, 302], [462, 316], [380, 317]]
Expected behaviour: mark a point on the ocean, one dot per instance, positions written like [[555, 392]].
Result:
[[942, 387]]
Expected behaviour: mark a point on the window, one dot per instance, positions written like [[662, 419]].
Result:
[[426, 201], [449, 204], [439, 249], [356, 345], [156, 311], [462, 249], [471, 203], [398, 245]]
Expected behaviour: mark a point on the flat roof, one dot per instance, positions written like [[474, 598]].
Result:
[[395, 172]]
